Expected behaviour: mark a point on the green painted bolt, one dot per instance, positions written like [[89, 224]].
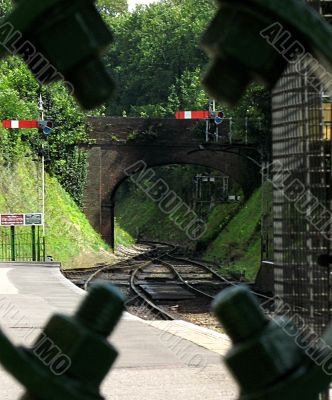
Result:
[[254, 40], [72, 356], [61, 40], [247, 321], [101, 310], [266, 360]]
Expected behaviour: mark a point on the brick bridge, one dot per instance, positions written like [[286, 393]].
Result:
[[118, 143]]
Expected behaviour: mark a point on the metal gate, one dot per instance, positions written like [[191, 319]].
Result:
[[22, 244]]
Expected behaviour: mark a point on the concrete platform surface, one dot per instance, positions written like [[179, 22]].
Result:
[[158, 359]]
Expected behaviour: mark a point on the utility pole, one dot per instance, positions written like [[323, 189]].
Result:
[[212, 109], [41, 118], [212, 105]]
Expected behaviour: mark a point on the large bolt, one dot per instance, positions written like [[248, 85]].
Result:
[[244, 43], [264, 350], [61, 40], [101, 309], [239, 313]]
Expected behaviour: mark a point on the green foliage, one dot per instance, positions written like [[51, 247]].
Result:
[[187, 93], [72, 174], [19, 94], [69, 236], [250, 262], [5, 7], [158, 65], [255, 105], [154, 47], [143, 218], [112, 7], [232, 238], [218, 219], [236, 245]]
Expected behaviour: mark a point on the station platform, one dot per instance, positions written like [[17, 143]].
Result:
[[158, 359]]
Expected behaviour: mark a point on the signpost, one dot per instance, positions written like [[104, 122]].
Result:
[[12, 219], [213, 119], [32, 220], [23, 124], [35, 219], [45, 127], [192, 115]]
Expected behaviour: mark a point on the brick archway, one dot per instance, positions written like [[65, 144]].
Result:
[[121, 142]]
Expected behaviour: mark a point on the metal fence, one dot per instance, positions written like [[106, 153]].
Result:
[[301, 135], [22, 244], [302, 158]]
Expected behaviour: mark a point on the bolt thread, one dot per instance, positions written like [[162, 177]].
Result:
[[101, 309], [239, 313]]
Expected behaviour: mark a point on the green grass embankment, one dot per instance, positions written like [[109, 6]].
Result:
[[138, 215], [70, 238], [237, 246], [232, 238]]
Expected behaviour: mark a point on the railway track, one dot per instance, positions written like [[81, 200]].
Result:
[[160, 284]]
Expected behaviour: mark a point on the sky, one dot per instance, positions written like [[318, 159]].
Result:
[[133, 3]]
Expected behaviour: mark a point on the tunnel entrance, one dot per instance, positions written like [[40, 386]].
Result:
[[202, 210]]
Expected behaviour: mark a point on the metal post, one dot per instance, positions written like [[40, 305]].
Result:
[[212, 105], [38, 244], [207, 131], [44, 248], [3, 248], [43, 190], [33, 240], [41, 112], [246, 128], [12, 243], [212, 108]]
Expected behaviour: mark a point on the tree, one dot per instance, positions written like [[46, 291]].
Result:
[[5, 7], [19, 92], [154, 46], [158, 64], [112, 7], [187, 93]]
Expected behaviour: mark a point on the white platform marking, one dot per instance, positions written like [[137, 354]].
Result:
[[6, 287]]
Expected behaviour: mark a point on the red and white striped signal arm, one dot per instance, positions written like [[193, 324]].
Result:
[[22, 124], [192, 115]]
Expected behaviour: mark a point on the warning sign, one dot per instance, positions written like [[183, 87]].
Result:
[[33, 219], [12, 219]]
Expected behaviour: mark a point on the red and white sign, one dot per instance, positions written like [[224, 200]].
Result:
[[12, 219], [192, 115], [22, 124]]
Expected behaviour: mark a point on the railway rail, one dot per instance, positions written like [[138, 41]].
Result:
[[159, 283]]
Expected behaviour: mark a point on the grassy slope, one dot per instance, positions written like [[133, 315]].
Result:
[[70, 237], [142, 215], [220, 216], [232, 237], [238, 244]]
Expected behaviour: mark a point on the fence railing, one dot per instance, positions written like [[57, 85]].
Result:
[[22, 244]]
